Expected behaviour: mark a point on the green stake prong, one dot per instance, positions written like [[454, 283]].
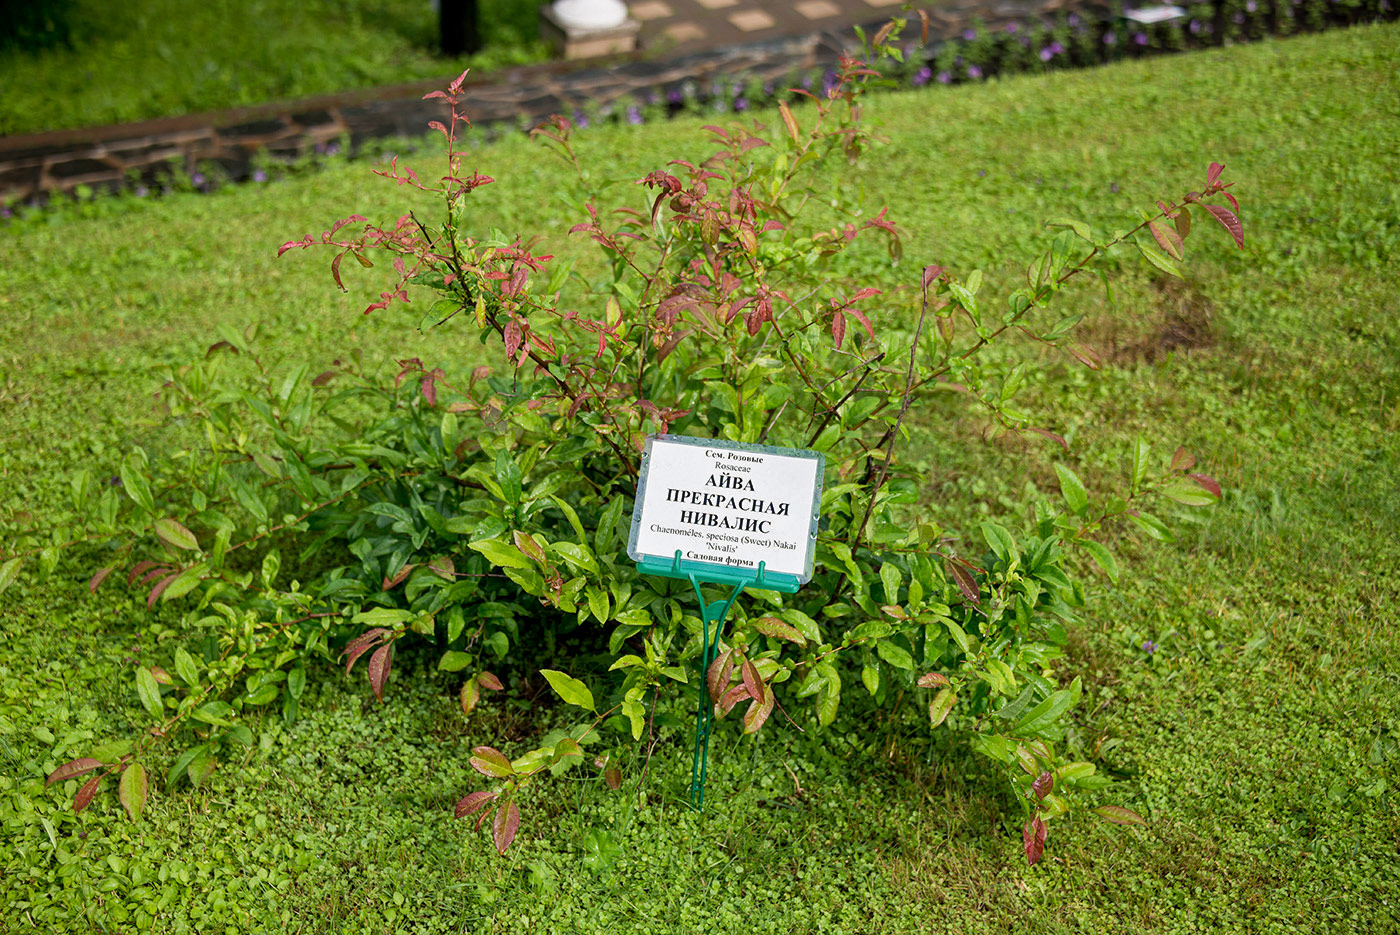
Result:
[[714, 612]]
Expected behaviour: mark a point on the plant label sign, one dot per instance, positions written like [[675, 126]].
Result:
[[727, 504]]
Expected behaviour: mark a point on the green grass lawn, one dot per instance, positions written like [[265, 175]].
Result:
[[1260, 738], [159, 58]]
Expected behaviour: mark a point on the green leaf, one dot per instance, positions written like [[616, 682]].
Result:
[[1103, 558], [636, 714], [580, 556], [187, 581], [148, 690], [1153, 526], [1079, 227], [454, 661], [894, 654], [214, 712], [185, 667], [508, 476], [1119, 815], [9, 572], [1159, 259], [382, 617], [1140, 451], [1045, 714], [597, 603], [1076, 497], [999, 540], [891, 579], [133, 790], [135, 484], [502, 554], [1188, 494], [570, 689], [176, 534], [941, 704]]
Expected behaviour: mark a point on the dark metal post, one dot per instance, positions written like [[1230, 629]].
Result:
[[458, 27]]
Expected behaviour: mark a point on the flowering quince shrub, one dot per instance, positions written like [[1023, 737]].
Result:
[[331, 516]]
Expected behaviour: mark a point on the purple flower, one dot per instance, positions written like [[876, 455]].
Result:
[[198, 179], [1149, 647], [1073, 20], [674, 96], [634, 116], [1251, 6], [969, 34], [1239, 19], [1195, 26], [974, 72], [922, 76], [1012, 27], [1110, 38], [141, 191], [944, 78], [259, 175], [580, 120], [320, 149], [1046, 55], [1140, 38], [768, 88], [332, 149], [652, 97], [741, 103], [806, 82], [5, 212]]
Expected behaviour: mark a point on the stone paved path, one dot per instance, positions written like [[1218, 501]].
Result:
[[683, 26]]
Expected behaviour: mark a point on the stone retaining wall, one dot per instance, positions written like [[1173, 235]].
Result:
[[112, 156]]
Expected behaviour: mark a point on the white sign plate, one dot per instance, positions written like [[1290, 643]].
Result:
[[728, 504]]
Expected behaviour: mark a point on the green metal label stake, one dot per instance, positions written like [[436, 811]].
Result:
[[726, 513]]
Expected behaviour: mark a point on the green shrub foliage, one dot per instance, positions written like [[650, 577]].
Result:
[[325, 515]]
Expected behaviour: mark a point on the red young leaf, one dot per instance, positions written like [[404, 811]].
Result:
[[1231, 198], [1033, 838], [717, 679], [99, 577], [1167, 238], [471, 802], [526, 543], [72, 769], [1232, 224], [390, 583], [932, 679], [1044, 784], [429, 389], [140, 569], [1208, 482], [729, 699], [1053, 436], [491, 762], [772, 626], [85, 794], [361, 645], [513, 337], [324, 377], [752, 681], [758, 712], [159, 589], [503, 828], [838, 327], [443, 567], [1183, 460], [379, 665], [1213, 173], [613, 777], [487, 680], [965, 582]]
